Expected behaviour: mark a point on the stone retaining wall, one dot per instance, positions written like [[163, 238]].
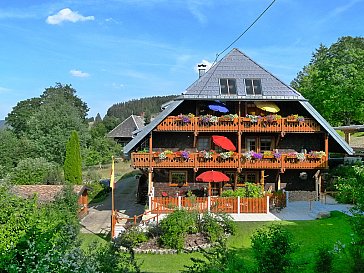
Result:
[[301, 195]]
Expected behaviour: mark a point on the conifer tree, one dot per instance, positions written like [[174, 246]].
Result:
[[73, 165]]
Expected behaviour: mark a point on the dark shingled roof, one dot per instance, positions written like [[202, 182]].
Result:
[[238, 66], [127, 127], [45, 193]]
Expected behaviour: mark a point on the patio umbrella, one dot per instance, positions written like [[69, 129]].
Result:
[[212, 176], [218, 108], [224, 143], [267, 106]]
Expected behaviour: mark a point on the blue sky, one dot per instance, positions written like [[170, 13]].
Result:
[[117, 50]]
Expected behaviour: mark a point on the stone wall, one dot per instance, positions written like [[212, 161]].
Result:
[[301, 195]]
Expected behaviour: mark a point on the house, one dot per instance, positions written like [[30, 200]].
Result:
[[123, 133], [239, 119], [48, 193]]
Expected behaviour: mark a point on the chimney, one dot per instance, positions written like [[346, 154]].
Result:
[[201, 70]]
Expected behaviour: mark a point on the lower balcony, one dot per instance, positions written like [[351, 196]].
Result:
[[226, 161]]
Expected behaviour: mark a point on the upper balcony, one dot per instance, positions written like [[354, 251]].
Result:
[[234, 161], [239, 124]]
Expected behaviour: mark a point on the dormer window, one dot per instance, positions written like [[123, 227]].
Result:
[[253, 86], [227, 86]]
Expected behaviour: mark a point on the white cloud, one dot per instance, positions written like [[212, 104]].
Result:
[[205, 62], [67, 15], [79, 73]]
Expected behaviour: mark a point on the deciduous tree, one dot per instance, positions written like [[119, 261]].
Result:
[[333, 81]]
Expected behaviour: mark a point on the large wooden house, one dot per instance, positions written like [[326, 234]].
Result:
[[278, 139]]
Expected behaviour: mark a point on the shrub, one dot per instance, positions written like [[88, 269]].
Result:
[[35, 171], [250, 190], [132, 237], [211, 227], [272, 247], [324, 258], [175, 226], [73, 163]]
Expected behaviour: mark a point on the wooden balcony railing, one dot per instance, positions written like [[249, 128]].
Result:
[[196, 160], [213, 204], [173, 123]]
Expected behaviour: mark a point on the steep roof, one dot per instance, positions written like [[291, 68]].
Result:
[[45, 193], [238, 66], [127, 127]]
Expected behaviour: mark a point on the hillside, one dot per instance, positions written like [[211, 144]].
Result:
[[148, 106]]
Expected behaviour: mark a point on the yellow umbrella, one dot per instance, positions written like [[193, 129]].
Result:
[[267, 106]]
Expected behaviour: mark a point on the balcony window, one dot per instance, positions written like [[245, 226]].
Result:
[[253, 86], [259, 144], [227, 86], [250, 177], [178, 178], [251, 144], [266, 144], [203, 143]]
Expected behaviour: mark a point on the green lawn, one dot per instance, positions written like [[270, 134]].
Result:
[[308, 234]]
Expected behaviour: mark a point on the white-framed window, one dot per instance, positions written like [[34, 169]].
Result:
[[247, 176], [253, 86], [251, 144], [227, 86]]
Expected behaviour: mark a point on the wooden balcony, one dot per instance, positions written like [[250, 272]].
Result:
[[283, 125], [196, 160]]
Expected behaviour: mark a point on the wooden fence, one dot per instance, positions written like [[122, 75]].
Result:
[[213, 204]]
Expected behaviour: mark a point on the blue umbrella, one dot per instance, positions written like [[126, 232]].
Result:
[[218, 108]]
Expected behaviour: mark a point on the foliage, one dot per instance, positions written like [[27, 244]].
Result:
[[211, 227], [324, 259], [332, 74], [151, 105], [35, 171], [349, 183], [249, 190], [132, 237], [272, 248], [100, 151], [9, 151], [218, 259], [175, 226], [73, 163]]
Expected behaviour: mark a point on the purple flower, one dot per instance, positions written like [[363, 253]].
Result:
[[185, 154], [277, 155], [257, 155]]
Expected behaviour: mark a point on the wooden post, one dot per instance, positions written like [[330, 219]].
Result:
[[316, 176], [347, 136], [262, 179], [279, 182], [150, 150], [327, 149], [150, 182]]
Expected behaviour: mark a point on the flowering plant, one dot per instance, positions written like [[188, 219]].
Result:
[[299, 156], [185, 154], [272, 118], [317, 154], [226, 155], [229, 117], [208, 119], [274, 154], [253, 155], [207, 154], [186, 118], [163, 155], [296, 118], [253, 118]]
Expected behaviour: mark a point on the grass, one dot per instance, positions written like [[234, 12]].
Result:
[[309, 235]]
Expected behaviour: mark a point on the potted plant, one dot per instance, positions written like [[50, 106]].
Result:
[[185, 118]]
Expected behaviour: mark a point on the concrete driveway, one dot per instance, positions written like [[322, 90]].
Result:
[[99, 218]]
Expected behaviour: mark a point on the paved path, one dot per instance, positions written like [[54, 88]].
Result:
[[99, 218]]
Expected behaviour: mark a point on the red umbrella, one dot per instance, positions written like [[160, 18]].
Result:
[[212, 176], [224, 143]]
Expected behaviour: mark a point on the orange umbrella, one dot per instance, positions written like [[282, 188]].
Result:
[[212, 176], [224, 143]]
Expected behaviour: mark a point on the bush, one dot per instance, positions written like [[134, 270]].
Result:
[[132, 237], [324, 258], [211, 227], [36, 171], [272, 247], [249, 190], [175, 226]]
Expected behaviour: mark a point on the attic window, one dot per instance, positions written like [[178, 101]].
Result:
[[253, 86], [227, 86]]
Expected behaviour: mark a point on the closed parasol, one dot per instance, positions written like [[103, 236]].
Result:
[[224, 143], [267, 106], [212, 176]]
